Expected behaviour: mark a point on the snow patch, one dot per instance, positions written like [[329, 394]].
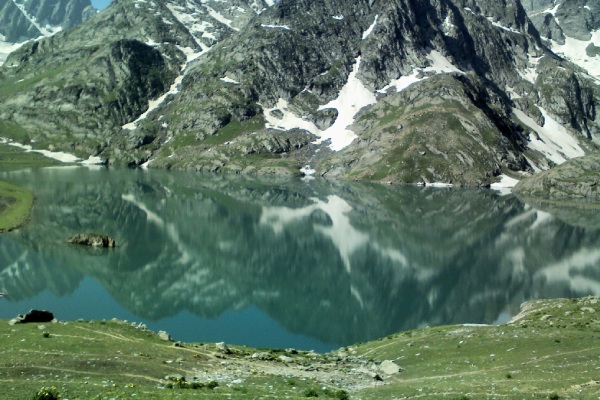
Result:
[[351, 99], [220, 18], [499, 25], [7, 48], [574, 51], [439, 65], [506, 183], [55, 155], [229, 80], [338, 17], [553, 141], [370, 28], [530, 73]]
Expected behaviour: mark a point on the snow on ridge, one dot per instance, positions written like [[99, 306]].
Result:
[[575, 51], [351, 99], [47, 30], [213, 13], [370, 29], [286, 27], [553, 141], [439, 65], [499, 25], [174, 89]]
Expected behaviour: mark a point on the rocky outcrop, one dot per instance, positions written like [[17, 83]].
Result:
[[575, 179], [33, 316], [92, 239]]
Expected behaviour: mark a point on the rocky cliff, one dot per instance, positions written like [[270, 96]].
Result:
[[452, 91], [22, 20], [576, 179]]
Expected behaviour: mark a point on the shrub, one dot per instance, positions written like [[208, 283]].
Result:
[[47, 393]]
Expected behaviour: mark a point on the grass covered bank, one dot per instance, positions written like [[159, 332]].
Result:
[[551, 351], [15, 206]]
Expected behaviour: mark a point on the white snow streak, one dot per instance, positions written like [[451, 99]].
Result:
[[47, 30], [220, 18], [276, 27], [370, 29], [229, 80], [56, 155], [554, 141], [439, 65]]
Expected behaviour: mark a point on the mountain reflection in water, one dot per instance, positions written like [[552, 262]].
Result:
[[340, 263]]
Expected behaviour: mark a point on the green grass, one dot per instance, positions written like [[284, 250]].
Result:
[[15, 206], [113, 359], [13, 158], [551, 352]]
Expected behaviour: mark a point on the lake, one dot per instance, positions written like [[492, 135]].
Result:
[[308, 264]]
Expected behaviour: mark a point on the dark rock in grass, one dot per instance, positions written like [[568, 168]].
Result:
[[33, 316], [92, 239]]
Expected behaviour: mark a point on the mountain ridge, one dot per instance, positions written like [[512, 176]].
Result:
[[272, 92]]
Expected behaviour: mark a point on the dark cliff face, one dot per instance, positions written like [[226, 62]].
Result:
[[444, 86]]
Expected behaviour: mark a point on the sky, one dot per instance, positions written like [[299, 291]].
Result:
[[100, 4]]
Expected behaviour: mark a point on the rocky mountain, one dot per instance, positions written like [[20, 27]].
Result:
[[22, 20], [571, 29], [436, 91], [576, 179]]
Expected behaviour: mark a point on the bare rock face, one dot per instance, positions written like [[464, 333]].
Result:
[[576, 179], [92, 239]]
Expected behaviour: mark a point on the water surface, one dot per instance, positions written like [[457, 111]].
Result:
[[288, 263]]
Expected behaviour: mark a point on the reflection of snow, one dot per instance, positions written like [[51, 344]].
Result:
[[567, 271], [346, 238], [170, 228]]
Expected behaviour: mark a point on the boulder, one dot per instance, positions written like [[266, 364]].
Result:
[[92, 239], [35, 316]]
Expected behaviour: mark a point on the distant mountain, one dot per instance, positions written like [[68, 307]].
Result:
[[457, 91], [572, 28], [22, 20]]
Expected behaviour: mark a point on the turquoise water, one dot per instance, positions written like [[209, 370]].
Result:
[[286, 263]]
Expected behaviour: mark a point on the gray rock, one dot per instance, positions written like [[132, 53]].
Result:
[[285, 359], [576, 179], [389, 367], [92, 239], [264, 356], [223, 348], [164, 336]]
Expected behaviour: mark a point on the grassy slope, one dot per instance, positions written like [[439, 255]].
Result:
[[16, 202], [15, 205], [551, 352]]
